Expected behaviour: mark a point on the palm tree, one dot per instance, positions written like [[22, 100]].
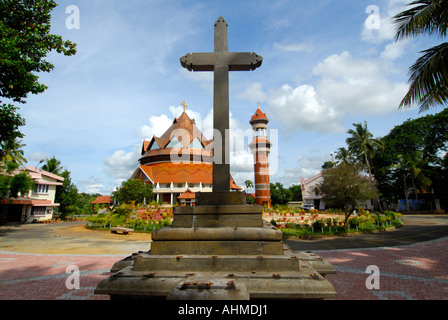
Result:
[[53, 166], [12, 151], [362, 144], [344, 156], [429, 74], [413, 163]]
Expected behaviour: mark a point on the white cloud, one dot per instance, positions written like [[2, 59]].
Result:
[[394, 50], [156, 127], [36, 157], [294, 47], [358, 86], [301, 107], [253, 92], [122, 164]]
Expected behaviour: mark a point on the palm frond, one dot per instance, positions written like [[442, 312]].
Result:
[[429, 79], [424, 16]]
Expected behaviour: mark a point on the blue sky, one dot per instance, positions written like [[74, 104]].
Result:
[[323, 70]]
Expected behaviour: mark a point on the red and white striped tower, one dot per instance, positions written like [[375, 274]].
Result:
[[261, 148]]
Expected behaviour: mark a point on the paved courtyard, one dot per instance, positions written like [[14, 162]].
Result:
[[417, 271]]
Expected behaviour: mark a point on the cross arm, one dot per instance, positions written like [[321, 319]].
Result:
[[236, 61]]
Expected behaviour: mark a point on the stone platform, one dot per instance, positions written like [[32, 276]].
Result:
[[219, 252]]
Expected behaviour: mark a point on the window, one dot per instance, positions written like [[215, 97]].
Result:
[[38, 211], [41, 188], [196, 144], [154, 146], [174, 143]]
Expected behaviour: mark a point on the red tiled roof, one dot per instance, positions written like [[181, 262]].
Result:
[[183, 128], [187, 195], [259, 115], [102, 199]]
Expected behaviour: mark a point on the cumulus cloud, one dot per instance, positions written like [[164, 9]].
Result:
[[301, 107], [307, 166], [122, 164], [92, 185], [358, 86], [156, 127], [253, 92]]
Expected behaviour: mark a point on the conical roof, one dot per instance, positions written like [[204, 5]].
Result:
[[259, 116], [183, 133]]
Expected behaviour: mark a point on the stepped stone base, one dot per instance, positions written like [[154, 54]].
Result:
[[219, 253]]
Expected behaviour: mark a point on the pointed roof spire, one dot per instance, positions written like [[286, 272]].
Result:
[[259, 115]]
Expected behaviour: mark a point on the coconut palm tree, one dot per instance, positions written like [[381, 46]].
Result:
[[363, 145], [413, 163], [344, 156], [12, 151], [429, 74], [53, 166]]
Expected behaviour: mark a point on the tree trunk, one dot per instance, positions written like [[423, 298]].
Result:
[[406, 192]]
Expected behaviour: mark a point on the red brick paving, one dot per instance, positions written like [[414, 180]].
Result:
[[417, 272]]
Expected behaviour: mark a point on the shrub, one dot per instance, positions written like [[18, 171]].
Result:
[[353, 222], [317, 224]]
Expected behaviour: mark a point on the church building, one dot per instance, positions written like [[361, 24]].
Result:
[[178, 164]]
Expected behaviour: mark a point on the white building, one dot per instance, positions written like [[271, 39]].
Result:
[[311, 197], [37, 204]]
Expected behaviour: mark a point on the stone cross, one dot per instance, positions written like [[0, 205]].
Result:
[[221, 61]]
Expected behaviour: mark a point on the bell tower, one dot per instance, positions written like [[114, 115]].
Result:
[[261, 147]]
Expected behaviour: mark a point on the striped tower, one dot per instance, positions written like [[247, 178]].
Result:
[[261, 148]]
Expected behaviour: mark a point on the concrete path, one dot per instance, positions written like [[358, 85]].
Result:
[[40, 262]]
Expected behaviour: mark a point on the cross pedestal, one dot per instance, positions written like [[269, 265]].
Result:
[[220, 249]]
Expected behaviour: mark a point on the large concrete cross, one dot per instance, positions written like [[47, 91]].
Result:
[[221, 61]]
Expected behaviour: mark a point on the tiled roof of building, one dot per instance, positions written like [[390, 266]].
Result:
[[102, 199], [182, 133], [187, 195], [259, 115]]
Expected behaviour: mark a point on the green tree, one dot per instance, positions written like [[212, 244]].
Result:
[[12, 184], [296, 191], [429, 74], [12, 151], [363, 145], [328, 165], [66, 195], [133, 190], [279, 195], [427, 135], [249, 184], [412, 165], [343, 187], [53, 166], [10, 122], [344, 156], [25, 42]]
